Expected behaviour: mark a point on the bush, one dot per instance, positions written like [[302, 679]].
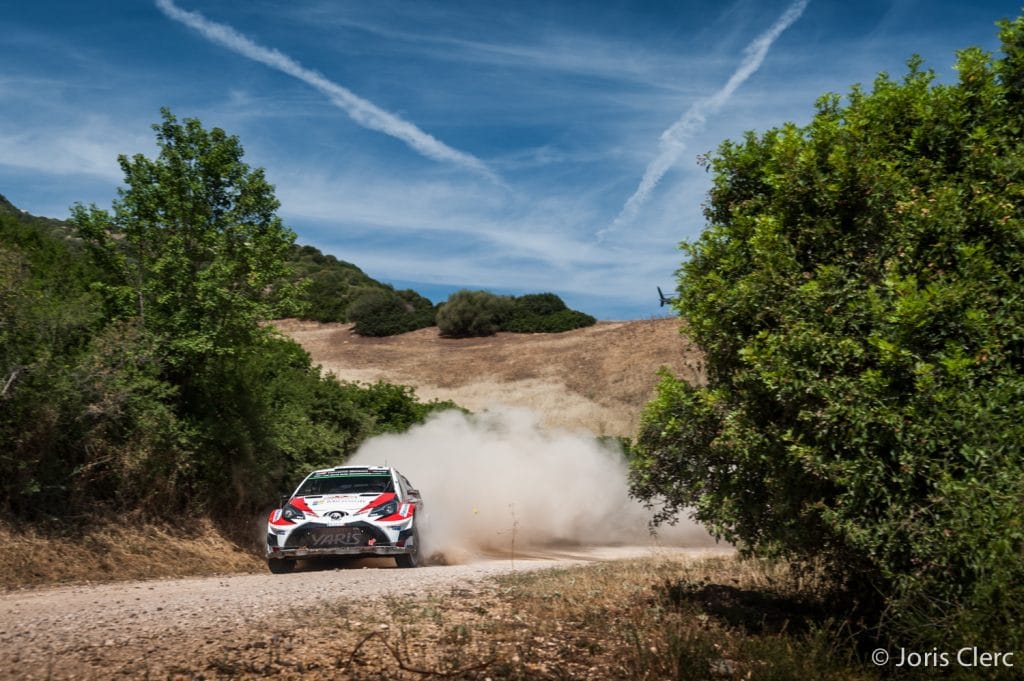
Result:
[[473, 313], [423, 311], [379, 313], [545, 313], [383, 312], [540, 304], [857, 295], [479, 313], [557, 322]]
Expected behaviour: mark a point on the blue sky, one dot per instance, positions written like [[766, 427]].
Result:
[[519, 147]]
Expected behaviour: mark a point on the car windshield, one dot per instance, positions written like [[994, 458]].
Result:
[[346, 483]]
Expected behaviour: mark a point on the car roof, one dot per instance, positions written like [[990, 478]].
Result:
[[356, 470]]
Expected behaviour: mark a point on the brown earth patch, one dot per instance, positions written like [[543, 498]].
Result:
[[598, 378], [109, 552]]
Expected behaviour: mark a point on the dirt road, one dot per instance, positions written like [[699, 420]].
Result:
[[154, 628]]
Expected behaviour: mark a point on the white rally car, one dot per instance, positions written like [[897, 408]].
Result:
[[347, 511]]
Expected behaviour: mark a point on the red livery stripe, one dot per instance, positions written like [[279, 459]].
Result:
[[382, 499]]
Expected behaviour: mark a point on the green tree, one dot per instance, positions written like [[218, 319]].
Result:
[[858, 295], [165, 394], [193, 247]]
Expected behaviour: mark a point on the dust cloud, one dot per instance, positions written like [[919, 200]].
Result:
[[497, 481]]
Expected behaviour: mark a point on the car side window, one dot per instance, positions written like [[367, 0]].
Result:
[[403, 489], [406, 484]]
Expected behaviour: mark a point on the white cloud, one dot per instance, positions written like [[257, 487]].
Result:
[[361, 111], [673, 141], [422, 229], [86, 148]]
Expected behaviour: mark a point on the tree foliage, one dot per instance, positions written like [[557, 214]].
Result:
[[194, 247], [858, 295], [143, 378]]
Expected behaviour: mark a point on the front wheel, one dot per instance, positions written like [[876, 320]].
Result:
[[411, 560], [280, 566]]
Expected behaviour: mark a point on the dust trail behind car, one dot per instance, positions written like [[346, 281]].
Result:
[[497, 482]]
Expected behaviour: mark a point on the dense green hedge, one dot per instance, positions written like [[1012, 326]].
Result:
[[481, 313], [383, 312], [556, 322], [858, 295]]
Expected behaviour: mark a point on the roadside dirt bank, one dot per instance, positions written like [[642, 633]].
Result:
[[107, 551]]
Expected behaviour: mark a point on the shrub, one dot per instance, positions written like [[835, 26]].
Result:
[[383, 312], [379, 313], [422, 310], [540, 304], [557, 322], [544, 313], [479, 313], [473, 313], [857, 295]]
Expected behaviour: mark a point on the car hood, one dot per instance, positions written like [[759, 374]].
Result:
[[349, 504]]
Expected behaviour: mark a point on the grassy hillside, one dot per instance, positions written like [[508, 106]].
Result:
[[598, 377], [47, 226]]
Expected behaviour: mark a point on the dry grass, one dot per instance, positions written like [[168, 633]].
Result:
[[646, 619], [597, 378], [107, 551]]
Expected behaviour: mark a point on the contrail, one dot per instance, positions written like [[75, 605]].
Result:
[[673, 140], [360, 110]]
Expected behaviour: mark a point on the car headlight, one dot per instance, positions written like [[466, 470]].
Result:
[[291, 513], [389, 508]]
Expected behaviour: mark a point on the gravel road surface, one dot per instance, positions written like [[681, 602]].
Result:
[[88, 630]]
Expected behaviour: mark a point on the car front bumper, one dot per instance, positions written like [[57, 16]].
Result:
[[307, 552], [360, 538]]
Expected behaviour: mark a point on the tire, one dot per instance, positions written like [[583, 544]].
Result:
[[280, 566], [411, 560]]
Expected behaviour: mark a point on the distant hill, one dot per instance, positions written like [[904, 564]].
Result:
[[333, 284], [50, 227]]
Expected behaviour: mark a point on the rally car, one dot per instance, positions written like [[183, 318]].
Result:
[[347, 511]]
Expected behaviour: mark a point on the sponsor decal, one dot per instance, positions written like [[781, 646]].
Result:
[[329, 539]]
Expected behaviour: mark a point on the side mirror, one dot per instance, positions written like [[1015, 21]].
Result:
[[414, 492], [282, 500]]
